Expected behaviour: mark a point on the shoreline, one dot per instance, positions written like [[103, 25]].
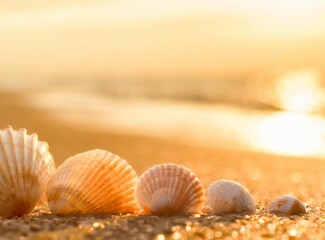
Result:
[[215, 126]]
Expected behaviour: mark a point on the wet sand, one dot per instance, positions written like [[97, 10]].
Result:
[[266, 176]]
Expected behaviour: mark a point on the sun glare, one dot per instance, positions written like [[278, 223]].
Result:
[[300, 92], [290, 134]]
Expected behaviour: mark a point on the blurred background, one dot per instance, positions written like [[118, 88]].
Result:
[[224, 74]]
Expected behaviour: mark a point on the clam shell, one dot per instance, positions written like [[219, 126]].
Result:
[[25, 168], [170, 189], [229, 197], [288, 205], [93, 182]]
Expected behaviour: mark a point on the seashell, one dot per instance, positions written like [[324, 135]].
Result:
[[93, 182], [25, 169], [229, 197], [170, 189], [288, 205]]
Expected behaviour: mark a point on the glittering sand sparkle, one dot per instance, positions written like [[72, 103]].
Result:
[[266, 176]]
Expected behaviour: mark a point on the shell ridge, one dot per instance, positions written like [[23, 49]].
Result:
[[57, 185], [178, 189], [112, 159], [128, 202], [3, 159], [107, 185], [175, 185], [124, 172], [237, 199], [129, 176], [142, 192], [190, 188], [64, 171], [288, 205], [189, 198], [24, 161], [226, 197], [41, 171], [76, 206], [163, 181], [99, 186], [26, 164], [88, 165], [38, 191], [35, 170], [54, 191], [119, 202], [129, 189], [152, 181], [5, 162], [88, 181], [145, 186], [195, 190], [168, 185], [247, 205], [21, 172], [8, 160], [13, 144], [115, 187]]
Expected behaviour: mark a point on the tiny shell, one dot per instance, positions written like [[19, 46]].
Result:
[[170, 189], [288, 205], [229, 197], [93, 182], [25, 169]]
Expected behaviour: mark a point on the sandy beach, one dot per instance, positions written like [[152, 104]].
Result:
[[230, 89], [266, 176]]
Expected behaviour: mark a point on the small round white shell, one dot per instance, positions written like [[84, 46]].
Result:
[[93, 182], [25, 169], [287, 205], [229, 197], [170, 189]]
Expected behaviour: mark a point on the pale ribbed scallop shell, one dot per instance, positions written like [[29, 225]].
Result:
[[93, 182], [170, 189], [288, 205], [25, 168], [229, 197]]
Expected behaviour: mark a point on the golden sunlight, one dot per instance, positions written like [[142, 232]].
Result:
[[290, 134], [101, 39], [300, 92]]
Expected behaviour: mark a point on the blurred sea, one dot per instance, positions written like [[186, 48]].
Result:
[[226, 74], [265, 92], [282, 116]]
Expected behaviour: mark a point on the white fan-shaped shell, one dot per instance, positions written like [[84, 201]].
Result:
[[288, 205], [229, 197], [25, 168], [170, 189], [93, 182]]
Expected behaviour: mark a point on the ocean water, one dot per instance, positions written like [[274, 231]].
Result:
[[299, 91], [283, 117], [226, 74]]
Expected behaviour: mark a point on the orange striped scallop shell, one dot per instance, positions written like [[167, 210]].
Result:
[[170, 189], [25, 169], [93, 182]]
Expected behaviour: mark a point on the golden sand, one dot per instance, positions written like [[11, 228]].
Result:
[[266, 176]]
